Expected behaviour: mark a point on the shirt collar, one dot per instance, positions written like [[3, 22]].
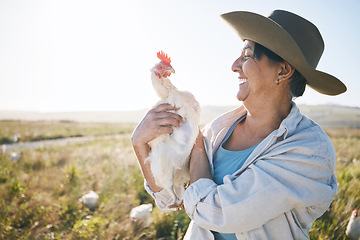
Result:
[[289, 124]]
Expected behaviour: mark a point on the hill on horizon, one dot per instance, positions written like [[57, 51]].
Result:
[[325, 115]]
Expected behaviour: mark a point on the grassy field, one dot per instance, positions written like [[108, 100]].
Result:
[[15, 131], [333, 223], [39, 193]]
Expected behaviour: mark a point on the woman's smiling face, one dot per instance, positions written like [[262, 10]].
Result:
[[257, 77]]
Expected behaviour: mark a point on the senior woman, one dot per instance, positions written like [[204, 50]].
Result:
[[263, 170]]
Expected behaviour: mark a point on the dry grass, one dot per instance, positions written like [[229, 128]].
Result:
[[39, 194], [13, 131]]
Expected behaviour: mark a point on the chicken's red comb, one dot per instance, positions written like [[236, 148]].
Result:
[[163, 57]]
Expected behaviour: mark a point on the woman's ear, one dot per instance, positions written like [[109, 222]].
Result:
[[286, 71]]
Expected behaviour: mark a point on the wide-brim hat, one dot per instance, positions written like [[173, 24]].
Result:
[[293, 38]]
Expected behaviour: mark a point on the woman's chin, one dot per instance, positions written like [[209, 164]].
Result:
[[241, 96]]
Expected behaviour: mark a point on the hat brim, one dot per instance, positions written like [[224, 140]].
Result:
[[263, 30]]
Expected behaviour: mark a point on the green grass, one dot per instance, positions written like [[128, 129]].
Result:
[[39, 194], [41, 130]]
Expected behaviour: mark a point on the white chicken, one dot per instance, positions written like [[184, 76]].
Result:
[[353, 227], [90, 200], [170, 153], [15, 156], [141, 213]]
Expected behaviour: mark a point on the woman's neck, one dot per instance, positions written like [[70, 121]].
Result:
[[263, 118]]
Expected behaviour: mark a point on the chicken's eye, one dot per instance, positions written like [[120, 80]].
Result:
[[160, 67]]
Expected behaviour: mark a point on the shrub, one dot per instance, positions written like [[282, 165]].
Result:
[[88, 228]]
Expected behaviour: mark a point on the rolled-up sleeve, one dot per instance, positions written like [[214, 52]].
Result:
[[196, 192], [161, 198]]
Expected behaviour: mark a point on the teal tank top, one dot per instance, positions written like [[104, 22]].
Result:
[[226, 163]]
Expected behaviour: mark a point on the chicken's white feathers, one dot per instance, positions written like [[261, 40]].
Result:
[[90, 200], [141, 212], [353, 227], [15, 156], [170, 153]]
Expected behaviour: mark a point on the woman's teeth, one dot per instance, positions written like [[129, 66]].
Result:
[[242, 80]]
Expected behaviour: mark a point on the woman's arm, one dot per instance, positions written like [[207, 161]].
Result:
[[156, 122], [199, 163]]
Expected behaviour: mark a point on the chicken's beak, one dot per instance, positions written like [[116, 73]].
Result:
[[168, 72], [171, 70]]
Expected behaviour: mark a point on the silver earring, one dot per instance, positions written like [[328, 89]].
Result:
[[277, 81]]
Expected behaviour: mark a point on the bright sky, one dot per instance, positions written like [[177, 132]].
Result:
[[73, 55]]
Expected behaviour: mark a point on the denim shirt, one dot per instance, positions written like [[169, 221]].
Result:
[[285, 184]]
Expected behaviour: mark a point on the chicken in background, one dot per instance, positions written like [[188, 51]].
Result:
[[90, 200], [16, 156], [170, 153], [141, 213], [353, 227]]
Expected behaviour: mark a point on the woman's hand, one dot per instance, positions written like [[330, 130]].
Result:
[[199, 163], [156, 122]]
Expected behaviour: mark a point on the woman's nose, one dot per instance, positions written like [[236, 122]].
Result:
[[237, 65]]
